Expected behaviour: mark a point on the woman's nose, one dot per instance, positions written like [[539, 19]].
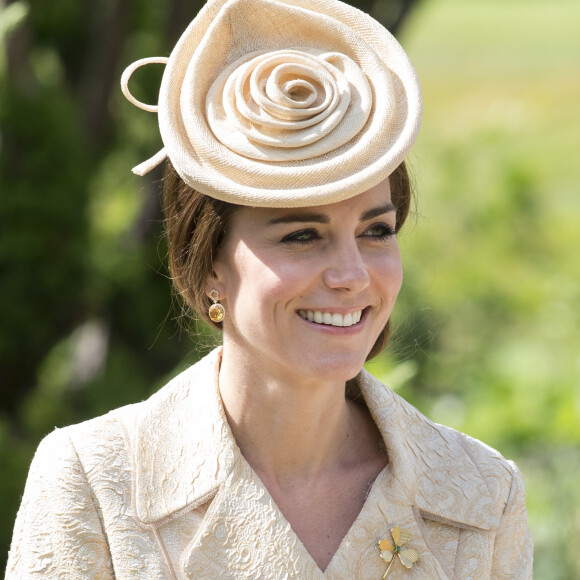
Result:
[[346, 268]]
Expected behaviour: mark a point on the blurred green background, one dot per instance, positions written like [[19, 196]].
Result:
[[487, 323]]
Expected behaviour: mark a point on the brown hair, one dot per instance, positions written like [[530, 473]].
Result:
[[197, 226]]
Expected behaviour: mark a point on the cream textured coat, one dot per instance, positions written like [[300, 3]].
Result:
[[160, 490]]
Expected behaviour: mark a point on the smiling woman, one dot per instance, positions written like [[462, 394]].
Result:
[[333, 260], [285, 125], [196, 226]]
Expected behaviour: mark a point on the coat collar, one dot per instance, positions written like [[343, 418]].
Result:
[[432, 462], [184, 451], [183, 448]]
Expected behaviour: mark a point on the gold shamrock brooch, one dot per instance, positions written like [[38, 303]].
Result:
[[407, 556]]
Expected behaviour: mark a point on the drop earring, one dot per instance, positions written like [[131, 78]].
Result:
[[216, 310]]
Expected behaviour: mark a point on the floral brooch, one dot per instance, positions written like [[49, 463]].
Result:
[[388, 550]]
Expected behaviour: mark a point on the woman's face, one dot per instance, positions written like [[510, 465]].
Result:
[[307, 291]]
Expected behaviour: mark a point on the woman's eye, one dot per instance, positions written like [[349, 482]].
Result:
[[301, 237], [379, 231]]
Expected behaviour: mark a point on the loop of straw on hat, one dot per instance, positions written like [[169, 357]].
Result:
[[284, 103]]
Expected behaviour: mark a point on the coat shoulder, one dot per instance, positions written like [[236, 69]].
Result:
[[98, 441], [489, 461]]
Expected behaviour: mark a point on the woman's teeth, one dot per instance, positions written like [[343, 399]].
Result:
[[331, 319]]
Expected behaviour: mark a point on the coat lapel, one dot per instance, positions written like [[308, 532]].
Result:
[[244, 535], [431, 462], [435, 474], [183, 447], [359, 556]]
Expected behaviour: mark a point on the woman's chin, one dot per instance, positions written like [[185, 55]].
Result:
[[339, 368]]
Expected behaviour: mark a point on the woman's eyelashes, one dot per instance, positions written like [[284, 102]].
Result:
[[378, 231], [305, 236]]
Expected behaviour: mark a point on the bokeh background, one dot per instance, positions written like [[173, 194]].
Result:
[[487, 324]]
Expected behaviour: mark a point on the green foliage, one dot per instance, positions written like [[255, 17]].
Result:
[[85, 315], [11, 17]]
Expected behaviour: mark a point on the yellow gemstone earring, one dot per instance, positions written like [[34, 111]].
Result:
[[216, 310]]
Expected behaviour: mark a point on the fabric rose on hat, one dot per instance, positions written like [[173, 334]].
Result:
[[286, 103]]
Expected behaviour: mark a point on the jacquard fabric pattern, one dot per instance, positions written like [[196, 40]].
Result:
[[160, 489]]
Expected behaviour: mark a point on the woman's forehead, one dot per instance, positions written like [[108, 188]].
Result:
[[377, 197]]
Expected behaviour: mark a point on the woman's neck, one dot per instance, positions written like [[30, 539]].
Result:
[[288, 428]]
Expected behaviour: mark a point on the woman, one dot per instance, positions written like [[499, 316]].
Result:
[[285, 125]]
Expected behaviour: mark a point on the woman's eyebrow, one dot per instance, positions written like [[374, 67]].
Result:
[[377, 211], [300, 217], [322, 218]]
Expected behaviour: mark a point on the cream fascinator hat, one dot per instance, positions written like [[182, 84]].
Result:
[[284, 103]]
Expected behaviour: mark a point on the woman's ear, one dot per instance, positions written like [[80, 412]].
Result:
[[220, 276], [214, 282]]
